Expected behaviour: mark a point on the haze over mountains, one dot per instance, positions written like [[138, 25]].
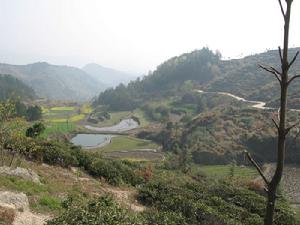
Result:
[[64, 82], [108, 76], [241, 77]]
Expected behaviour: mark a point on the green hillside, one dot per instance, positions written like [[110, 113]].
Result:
[[55, 82], [12, 87], [204, 69]]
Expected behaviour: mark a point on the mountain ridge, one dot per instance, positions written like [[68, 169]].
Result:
[[55, 81], [110, 77]]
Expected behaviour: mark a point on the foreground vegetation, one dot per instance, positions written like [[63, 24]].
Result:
[[174, 191], [191, 200]]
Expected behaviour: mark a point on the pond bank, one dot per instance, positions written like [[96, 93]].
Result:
[[122, 126]]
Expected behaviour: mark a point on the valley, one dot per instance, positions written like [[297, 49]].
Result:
[[148, 148], [149, 112]]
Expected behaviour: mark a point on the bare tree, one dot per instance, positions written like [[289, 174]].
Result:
[[282, 76]]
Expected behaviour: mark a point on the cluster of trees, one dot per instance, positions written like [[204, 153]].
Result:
[[13, 142], [29, 112]]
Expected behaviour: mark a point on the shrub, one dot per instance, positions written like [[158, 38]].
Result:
[[154, 217], [114, 171], [102, 211], [58, 154], [35, 130]]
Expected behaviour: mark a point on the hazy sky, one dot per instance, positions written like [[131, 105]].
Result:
[[137, 35]]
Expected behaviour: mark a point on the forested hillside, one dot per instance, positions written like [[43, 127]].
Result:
[[55, 82], [12, 87], [182, 72], [204, 70], [244, 78]]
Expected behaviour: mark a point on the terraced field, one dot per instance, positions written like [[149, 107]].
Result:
[[63, 119]]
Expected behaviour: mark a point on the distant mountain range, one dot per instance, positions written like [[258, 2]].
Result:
[[65, 82], [108, 76], [202, 68]]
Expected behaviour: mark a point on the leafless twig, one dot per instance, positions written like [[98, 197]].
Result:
[[276, 125], [280, 53], [257, 167], [293, 78], [273, 71], [294, 59], [287, 130], [281, 7]]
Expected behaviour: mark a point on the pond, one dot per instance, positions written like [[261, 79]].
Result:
[[124, 125], [89, 141]]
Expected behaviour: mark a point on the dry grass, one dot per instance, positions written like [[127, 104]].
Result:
[[7, 215]]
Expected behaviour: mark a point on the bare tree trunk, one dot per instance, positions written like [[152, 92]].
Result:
[[282, 130]]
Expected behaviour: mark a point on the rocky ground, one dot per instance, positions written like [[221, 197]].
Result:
[[14, 209], [15, 205]]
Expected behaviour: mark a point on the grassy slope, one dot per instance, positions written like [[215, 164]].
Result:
[[221, 171], [58, 183]]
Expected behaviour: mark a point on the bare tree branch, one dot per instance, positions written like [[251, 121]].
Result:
[[276, 125], [281, 8], [294, 59], [287, 130], [273, 71], [257, 167], [280, 53], [293, 78], [294, 140]]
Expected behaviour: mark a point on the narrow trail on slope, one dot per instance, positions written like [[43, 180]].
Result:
[[255, 104]]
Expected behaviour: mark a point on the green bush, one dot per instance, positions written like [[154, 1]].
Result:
[[114, 171], [154, 217], [102, 211], [61, 154]]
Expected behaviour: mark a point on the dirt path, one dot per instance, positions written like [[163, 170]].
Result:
[[126, 197]]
